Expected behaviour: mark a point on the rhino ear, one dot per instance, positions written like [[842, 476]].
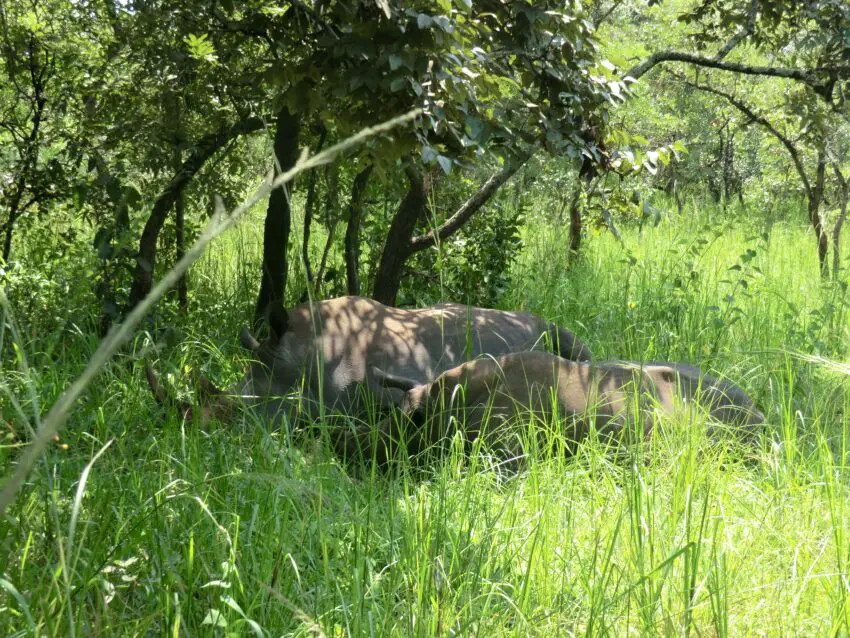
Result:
[[393, 381], [278, 320]]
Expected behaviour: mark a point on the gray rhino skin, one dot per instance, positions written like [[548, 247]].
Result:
[[492, 391], [334, 345]]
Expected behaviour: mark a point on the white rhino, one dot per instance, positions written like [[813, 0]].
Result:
[[334, 345], [481, 398]]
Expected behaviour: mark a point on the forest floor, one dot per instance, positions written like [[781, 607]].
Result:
[[180, 529]]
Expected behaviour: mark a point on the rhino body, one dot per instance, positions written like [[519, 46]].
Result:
[[334, 345], [480, 397]]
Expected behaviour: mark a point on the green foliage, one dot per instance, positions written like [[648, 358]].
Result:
[[232, 528], [488, 76], [473, 264], [100, 105]]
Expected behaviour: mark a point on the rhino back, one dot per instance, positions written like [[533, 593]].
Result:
[[467, 332], [338, 341]]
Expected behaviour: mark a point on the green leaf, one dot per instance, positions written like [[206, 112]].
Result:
[[199, 47], [445, 163], [230, 602], [102, 243], [215, 618], [428, 154], [113, 190], [79, 192], [132, 195], [31, 23], [476, 127], [276, 12], [22, 601]]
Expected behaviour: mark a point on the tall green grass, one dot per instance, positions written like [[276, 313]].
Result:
[[137, 524]]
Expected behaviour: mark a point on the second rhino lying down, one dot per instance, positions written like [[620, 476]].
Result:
[[480, 397]]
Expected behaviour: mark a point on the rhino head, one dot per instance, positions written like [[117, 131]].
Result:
[[263, 378]]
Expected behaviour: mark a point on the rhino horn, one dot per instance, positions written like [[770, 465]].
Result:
[[248, 341]]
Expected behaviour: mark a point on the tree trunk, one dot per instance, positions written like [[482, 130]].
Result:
[[844, 194], [397, 246], [718, 189], [308, 213], [278, 216], [10, 227], [176, 124], [180, 249], [728, 166], [352, 231], [400, 246], [814, 201], [470, 206], [575, 219], [30, 160], [205, 148]]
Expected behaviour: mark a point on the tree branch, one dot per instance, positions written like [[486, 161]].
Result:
[[598, 22], [787, 143], [205, 148], [842, 216], [743, 34], [807, 76], [842, 181], [470, 207]]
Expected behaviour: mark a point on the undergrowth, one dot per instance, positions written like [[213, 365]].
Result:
[[137, 524]]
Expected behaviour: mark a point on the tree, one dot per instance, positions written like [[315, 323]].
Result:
[[493, 77], [806, 39], [802, 43], [204, 149], [352, 230], [45, 52], [279, 214], [813, 186], [401, 243], [181, 94]]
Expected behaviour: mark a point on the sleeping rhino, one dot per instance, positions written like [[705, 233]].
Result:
[[334, 345], [479, 397]]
